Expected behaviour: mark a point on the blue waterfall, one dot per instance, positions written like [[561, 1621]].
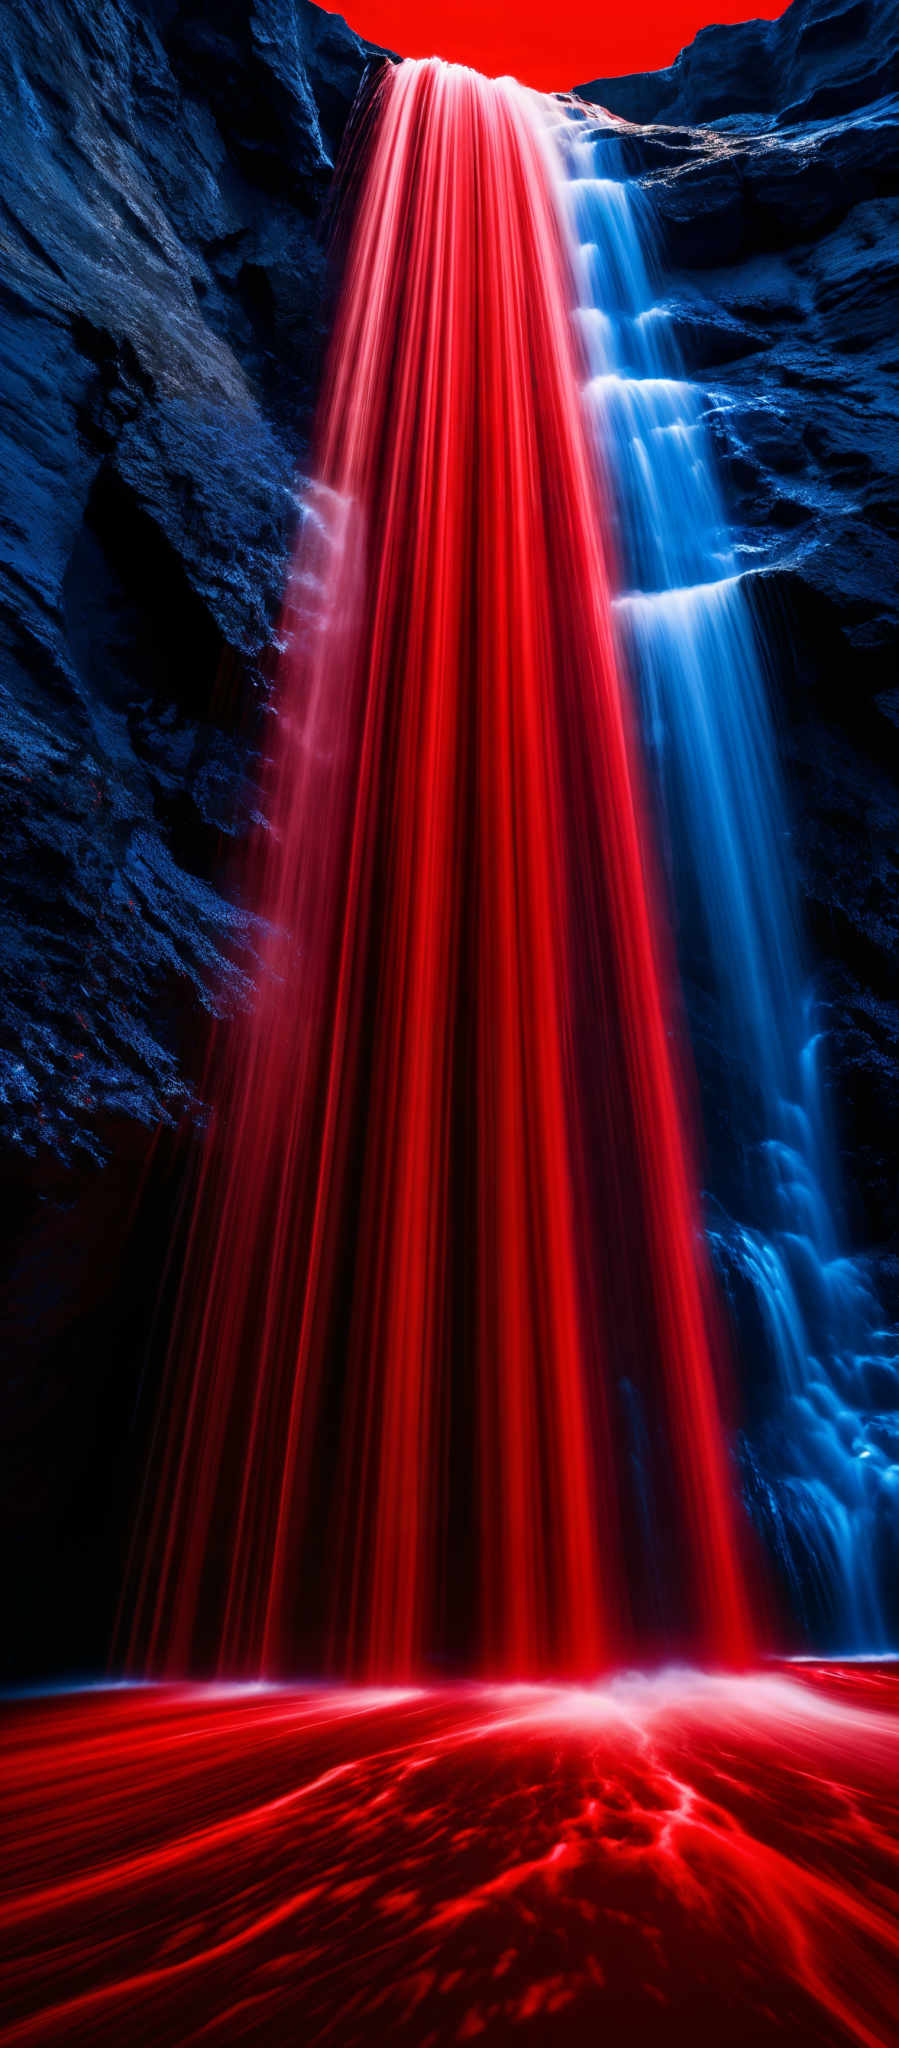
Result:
[[820, 1454]]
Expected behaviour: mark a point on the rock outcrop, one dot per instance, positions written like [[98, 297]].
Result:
[[819, 59], [163, 309]]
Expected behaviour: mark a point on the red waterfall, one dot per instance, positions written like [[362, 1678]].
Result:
[[446, 1243]]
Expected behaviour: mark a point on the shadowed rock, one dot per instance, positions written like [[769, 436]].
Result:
[[161, 320], [820, 58]]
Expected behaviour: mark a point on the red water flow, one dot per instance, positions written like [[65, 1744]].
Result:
[[448, 1205], [648, 1861]]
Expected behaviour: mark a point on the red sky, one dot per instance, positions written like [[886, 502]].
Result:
[[545, 42]]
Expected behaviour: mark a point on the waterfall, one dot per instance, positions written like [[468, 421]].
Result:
[[821, 1378], [447, 1237]]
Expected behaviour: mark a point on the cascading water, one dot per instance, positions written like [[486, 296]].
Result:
[[822, 1475], [449, 1207]]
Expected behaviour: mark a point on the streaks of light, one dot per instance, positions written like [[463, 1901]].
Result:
[[450, 1210]]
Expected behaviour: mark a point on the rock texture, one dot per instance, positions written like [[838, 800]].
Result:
[[162, 312], [162, 309], [818, 59], [780, 229]]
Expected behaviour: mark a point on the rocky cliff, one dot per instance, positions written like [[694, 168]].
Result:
[[819, 59], [162, 308]]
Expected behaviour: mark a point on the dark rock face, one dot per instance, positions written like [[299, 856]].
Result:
[[819, 59], [162, 312], [162, 316], [780, 226]]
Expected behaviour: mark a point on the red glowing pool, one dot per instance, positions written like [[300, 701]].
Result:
[[648, 1860]]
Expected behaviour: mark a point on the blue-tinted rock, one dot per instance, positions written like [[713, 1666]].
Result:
[[161, 319], [817, 60]]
